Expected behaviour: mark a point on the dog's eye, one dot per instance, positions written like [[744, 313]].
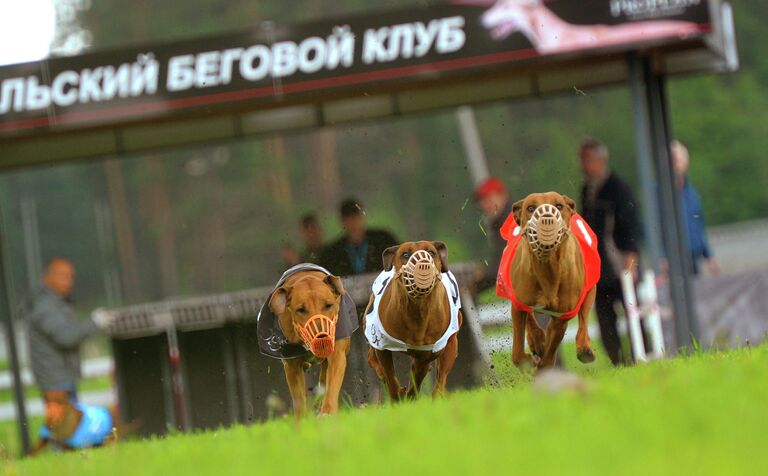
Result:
[[406, 255], [301, 310], [432, 253], [559, 206], [531, 208], [327, 307]]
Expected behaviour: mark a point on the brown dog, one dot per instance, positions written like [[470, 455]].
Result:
[[305, 303], [550, 265], [414, 309]]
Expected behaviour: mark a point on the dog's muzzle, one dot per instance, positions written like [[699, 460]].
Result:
[[318, 334], [545, 230], [419, 274]]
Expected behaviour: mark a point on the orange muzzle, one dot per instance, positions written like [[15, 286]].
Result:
[[318, 334]]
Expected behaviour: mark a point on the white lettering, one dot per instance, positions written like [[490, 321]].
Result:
[[116, 81], [63, 90], [38, 96], [341, 47], [228, 57], [425, 36], [90, 88], [451, 36], [312, 55], [374, 47], [144, 75], [12, 91], [180, 73], [401, 41], [207, 69], [284, 59], [258, 53]]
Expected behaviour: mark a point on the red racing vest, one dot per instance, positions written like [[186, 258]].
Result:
[[579, 228]]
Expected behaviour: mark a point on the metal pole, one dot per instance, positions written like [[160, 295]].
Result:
[[651, 220], [13, 355], [473, 145], [672, 223]]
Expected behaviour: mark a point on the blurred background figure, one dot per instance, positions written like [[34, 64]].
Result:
[[692, 211], [358, 250], [55, 333], [313, 236], [289, 255], [492, 198], [610, 209]]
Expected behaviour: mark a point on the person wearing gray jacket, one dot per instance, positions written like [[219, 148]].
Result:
[[55, 333]]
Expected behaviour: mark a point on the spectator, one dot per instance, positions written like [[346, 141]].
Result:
[[694, 215], [314, 238], [55, 333], [492, 198], [359, 249], [289, 255], [609, 208]]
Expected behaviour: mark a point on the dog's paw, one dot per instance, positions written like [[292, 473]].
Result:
[[525, 362], [585, 355]]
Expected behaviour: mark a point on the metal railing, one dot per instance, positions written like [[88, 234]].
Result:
[[216, 310]]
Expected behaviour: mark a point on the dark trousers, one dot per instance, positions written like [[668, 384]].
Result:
[[608, 292]]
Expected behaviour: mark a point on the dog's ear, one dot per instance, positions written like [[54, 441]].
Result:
[[569, 201], [388, 256], [279, 300], [517, 209], [442, 250], [335, 283]]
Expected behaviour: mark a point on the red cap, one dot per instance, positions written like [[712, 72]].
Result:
[[489, 186]]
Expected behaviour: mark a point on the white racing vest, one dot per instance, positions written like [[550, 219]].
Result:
[[379, 338]]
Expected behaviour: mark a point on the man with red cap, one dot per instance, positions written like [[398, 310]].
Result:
[[493, 200]]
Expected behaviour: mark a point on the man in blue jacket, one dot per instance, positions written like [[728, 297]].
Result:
[[694, 215]]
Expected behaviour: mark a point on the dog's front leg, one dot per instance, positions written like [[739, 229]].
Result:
[[387, 367], [445, 364], [555, 332], [337, 366], [583, 348], [294, 374], [519, 357]]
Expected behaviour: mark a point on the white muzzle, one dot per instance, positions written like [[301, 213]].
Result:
[[419, 274], [545, 230]]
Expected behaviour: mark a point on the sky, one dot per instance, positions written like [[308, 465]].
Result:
[[26, 30]]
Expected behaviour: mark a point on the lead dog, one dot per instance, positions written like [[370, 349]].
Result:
[[414, 310], [550, 265], [309, 319]]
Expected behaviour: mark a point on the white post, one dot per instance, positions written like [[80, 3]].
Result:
[[473, 145], [633, 317], [650, 305]]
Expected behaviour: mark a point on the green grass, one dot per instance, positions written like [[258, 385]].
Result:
[[703, 414]]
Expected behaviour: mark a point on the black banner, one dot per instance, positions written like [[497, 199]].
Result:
[[275, 63]]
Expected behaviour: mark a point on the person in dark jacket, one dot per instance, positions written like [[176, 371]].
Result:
[[55, 333], [359, 249], [492, 198], [693, 212], [313, 236], [609, 207]]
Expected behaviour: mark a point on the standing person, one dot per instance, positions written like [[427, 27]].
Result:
[[358, 250], [610, 209], [313, 236], [492, 198], [692, 210], [55, 333]]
